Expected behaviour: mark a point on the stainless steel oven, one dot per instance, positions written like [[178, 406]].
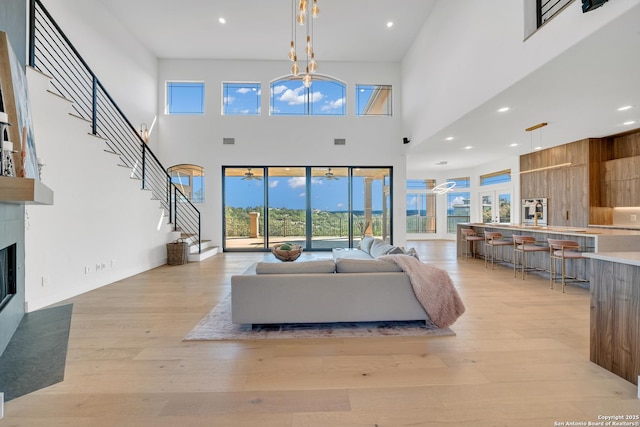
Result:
[[532, 206]]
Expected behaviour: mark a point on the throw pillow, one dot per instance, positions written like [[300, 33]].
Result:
[[365, 244], [395, 250], [412, 252], [379, 247]]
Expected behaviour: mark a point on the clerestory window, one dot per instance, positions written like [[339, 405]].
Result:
[[325, 97]]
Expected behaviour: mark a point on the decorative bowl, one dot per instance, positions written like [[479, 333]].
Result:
[[287, 255]]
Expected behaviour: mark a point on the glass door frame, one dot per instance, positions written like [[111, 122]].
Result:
[[495, 204], [387, 186]]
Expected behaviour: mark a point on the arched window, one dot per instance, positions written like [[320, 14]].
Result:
[[190, 180], [325, 97]]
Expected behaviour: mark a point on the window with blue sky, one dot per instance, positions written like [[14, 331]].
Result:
[[373, 100], [185, 98], [241, 99], [325, 97], [500, 177]]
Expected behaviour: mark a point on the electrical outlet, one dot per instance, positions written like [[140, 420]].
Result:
[[87, 269], [45, 281], [634, 218]]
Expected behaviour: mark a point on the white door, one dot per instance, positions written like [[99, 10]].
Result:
[[495, 206]]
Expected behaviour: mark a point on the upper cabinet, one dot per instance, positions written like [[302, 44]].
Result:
[[561, 174], [620, 172], [583, 180]]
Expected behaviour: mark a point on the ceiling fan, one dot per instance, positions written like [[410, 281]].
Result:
[[329, 176], [248, 175]]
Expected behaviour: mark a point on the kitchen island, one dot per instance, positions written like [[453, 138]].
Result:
[[590, 239]]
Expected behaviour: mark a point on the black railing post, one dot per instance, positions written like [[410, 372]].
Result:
[[32, 33], [144, 164], [94, 113], [199, 234], [538, 13], [169, 202], [175, 209]]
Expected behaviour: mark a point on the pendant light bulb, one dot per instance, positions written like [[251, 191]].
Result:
[[301, 18], [306, 80], [295, 70], [303, 6], [313, 65], [292, 52], [309, 48], [315, 10]]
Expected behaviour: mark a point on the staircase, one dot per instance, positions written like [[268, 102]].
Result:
[[52, 54]]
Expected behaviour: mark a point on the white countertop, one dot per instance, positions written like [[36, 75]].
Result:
[[619, 227], [631, 258]]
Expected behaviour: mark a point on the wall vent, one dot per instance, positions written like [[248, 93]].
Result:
[[339, 141], [228, 141]]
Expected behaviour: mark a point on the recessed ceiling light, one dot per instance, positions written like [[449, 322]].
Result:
[[449, 138], [503, 109], [630, 122], [468, 147], [222, 20], [513, 145], [625, 108], [389, 24]]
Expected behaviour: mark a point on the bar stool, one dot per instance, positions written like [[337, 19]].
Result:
[[561, 250], [470, 236], [492, 241], [522, 245]]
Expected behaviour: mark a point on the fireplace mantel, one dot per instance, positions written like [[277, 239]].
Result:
[[24, 191]]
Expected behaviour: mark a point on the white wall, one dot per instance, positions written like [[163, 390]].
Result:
[[100, 217], [468, 52], [279, 140], [126, 68]]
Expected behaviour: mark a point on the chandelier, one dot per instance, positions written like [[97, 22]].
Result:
[[303, 13]]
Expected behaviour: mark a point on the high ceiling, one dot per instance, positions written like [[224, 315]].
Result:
[[577, 94], [346, 30]]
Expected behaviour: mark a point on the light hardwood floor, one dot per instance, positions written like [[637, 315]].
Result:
[[520, 358]]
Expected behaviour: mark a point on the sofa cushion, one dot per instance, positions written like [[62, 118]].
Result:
[[349, 253], [365, 244], [346, 265], [302, 267]]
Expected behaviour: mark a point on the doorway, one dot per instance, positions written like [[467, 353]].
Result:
[[495, 206]]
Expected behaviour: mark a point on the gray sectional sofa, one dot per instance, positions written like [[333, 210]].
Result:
[[353, 286]]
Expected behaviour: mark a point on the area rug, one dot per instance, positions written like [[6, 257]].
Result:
[[217, 326]]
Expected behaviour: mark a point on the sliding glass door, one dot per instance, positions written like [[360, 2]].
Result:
[[287, 212], [371, 203], [319, 208], [329, 208], [244, 202]]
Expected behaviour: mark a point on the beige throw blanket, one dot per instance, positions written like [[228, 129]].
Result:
[[433, 288]]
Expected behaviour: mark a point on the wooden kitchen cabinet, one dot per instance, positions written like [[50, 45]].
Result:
[[565, 187]]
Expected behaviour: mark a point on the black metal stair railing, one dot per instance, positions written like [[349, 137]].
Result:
[[51, 52]]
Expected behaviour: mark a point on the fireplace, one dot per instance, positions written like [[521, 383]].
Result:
[[7, 274]]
